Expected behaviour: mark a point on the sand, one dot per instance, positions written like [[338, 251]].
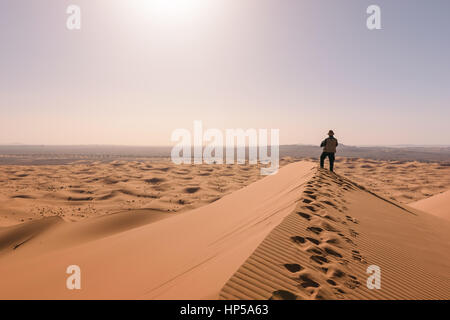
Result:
[[82, 190], [438, 205], [323, 248], [303, 233], [190, 255], [403, 181]]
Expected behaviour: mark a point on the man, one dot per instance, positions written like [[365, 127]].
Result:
[[329, 149]]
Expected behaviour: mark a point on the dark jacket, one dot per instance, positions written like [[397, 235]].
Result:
[[329, 144]]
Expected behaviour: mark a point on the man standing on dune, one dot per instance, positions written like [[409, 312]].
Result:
[[329, 149]]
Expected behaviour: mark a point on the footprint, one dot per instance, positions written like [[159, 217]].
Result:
[[191, 189], [319, 294], [344, 262], [313, 240], [327, 195], [283, 295], [311, 208], [315, 230], [318, 205], [304, 215], [329, 217], [334, 241], [293, 267], [329, 203], [357, 256], [337, 273], [315, 250], [319, 259], [353, 233], [351, 219], [339, 293], [298, 239], [307, 282], [332, 282], [329, 227], [352, 283], [333, 252]]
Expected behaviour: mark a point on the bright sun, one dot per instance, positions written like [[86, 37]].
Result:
[[176, 10], [176, 7]]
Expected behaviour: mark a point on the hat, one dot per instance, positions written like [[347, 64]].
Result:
[[331, 133]]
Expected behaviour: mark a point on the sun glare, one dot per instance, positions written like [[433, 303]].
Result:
[[175, 10], [176, 7]]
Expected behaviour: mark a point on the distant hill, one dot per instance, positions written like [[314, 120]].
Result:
[[432, 153], [23, 154]]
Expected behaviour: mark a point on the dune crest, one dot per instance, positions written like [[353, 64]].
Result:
[[323, 248], [190, 255], [438, 205]]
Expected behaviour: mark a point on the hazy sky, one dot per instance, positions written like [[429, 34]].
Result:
[[138, 69]]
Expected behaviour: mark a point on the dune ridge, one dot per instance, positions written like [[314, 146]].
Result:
[[323, 248], [438, 205], [402, 181], [187, 256]]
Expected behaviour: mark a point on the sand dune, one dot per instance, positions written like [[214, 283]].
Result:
[[83, 190], [323, 248], [86, 189], [303, 233], [438, 205], [52, 233], [190, 255], [403, 181]]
